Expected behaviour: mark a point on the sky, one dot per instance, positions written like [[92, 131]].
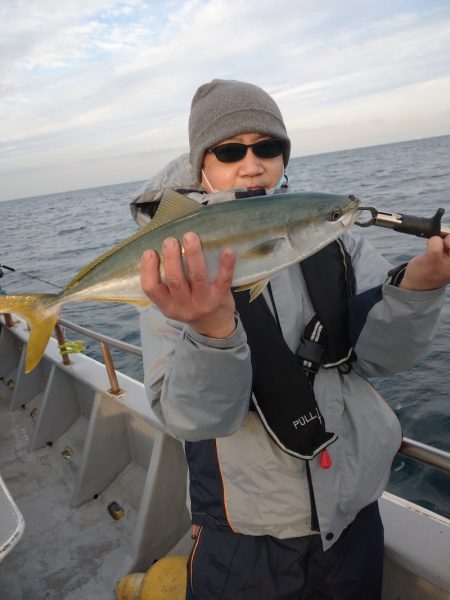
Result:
[[97, 92]]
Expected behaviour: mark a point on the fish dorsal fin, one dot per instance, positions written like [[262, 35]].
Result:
[[94, 263], [173, 206], [256, 288]]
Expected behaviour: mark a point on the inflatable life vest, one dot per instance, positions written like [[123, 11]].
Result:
[[283, 380]]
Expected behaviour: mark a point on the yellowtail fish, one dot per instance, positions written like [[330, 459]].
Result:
[[267, 233]]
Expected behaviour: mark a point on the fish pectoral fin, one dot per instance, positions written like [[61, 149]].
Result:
[[263, 249], [174, 206], [256, 288]]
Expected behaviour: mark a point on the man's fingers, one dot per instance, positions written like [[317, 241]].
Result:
[[437, 246], [149, 271], [447, 243], [150, 279], [173, 268], [226, 270], [191, 299], [195, 262]]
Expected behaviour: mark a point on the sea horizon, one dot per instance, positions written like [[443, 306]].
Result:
[[143, 180]]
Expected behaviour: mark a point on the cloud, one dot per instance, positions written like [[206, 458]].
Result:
[[98, 81]]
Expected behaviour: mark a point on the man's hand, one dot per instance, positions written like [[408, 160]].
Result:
[[206, 306], [431, 270]]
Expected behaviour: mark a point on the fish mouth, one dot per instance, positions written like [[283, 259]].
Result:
[[350, 212]]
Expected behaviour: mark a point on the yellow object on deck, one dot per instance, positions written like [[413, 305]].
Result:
[[128, 587], [165, 580]]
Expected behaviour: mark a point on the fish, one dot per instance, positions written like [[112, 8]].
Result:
[[267, 233]]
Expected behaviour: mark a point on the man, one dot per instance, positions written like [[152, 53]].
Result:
[[271, 525]]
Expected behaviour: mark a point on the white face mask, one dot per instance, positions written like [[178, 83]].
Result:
[[282, 181], [213, 190]]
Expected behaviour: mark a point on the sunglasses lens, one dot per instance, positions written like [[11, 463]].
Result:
[[229, 153], [234, 152], [269, 148]]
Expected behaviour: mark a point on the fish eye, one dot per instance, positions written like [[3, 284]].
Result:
[[335, 215]]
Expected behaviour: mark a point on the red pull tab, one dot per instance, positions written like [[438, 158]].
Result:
[[325, 459]]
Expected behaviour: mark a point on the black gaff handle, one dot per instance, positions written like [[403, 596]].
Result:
[[420, 226]]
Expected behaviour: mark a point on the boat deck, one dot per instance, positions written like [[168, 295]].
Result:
[[66, 553], [68, 450]]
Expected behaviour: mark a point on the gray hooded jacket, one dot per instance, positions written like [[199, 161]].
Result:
[[200, 387]]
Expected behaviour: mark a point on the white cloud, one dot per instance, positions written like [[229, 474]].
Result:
[[380, 118], [108, 82]]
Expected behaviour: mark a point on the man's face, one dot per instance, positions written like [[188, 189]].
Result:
[[250, 172]]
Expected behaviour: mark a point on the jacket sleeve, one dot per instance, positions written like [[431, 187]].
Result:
[[198, 387], [390, 328]]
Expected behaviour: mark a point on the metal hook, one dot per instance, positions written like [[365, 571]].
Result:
[[373, 211]]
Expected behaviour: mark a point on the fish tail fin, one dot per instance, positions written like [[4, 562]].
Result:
[[41, 312], [39, 337]]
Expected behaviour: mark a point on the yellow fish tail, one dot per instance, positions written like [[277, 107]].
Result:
[[40, 311]]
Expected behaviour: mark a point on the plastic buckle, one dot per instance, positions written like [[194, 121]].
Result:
[[310, 355]]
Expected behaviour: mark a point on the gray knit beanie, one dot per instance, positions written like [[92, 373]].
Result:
[[224, 108]]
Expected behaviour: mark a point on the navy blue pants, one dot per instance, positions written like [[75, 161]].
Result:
[[231, 566]]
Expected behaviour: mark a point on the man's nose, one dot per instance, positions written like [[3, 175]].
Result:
[[251, 164]]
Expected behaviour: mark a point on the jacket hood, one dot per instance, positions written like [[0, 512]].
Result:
[[178, 174]]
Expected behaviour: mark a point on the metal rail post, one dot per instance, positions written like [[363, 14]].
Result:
[[115, 389], [61, 342], [8, 320]]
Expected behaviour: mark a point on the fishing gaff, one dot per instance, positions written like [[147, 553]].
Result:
[[424, 227]]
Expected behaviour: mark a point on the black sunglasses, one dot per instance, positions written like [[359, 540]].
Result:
[[234, 151]]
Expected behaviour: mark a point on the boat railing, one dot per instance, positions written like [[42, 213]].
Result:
[[425, 454], [100, 337], [419, 451], [105, 343]]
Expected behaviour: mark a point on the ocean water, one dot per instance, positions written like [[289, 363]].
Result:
[[51, 237]]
